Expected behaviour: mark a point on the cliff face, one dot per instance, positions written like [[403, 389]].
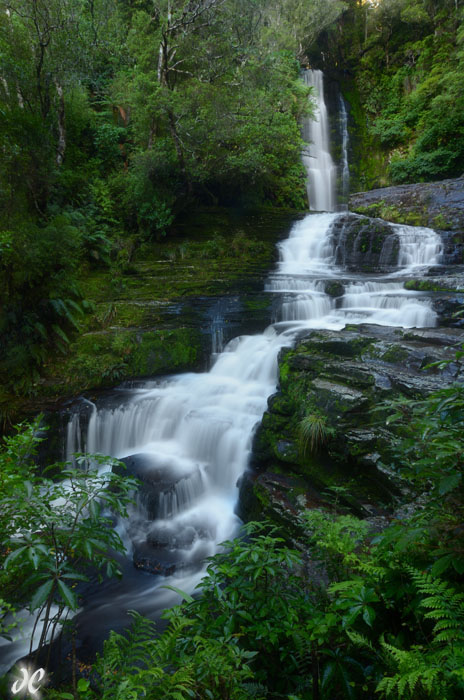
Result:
[[336, 382]]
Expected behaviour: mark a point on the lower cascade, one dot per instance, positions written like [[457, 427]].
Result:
[[188, 437]]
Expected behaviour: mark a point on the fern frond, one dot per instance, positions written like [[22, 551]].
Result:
[[443, 605]]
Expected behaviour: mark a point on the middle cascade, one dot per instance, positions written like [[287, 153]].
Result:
[[189, 437]]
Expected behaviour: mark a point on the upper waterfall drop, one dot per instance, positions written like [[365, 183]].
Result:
[[322, 172]]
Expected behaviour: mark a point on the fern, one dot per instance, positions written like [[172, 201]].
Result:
[[444, 605], [414, 670], [135, 665], [437, 670]]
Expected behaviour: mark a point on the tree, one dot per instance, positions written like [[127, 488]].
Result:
[[53, 529]]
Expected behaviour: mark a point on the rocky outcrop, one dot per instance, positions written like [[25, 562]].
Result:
[[364, 244], [326, 427], [438, 205]]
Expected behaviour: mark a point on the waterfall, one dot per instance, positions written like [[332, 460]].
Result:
[[344, 167], [188, 437], [316, 156]]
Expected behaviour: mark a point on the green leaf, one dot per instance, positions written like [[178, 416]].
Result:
[[448, 483], [13, 556], [368, 615], [458, 564], [34, 557], [41, 595], [185, 596], [441, 565], [67, 595], [60, 332], [75, 577], [83, 685]]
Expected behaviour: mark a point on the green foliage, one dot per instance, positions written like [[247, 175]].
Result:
[[437, 669], [407, 60], [51, 529], [117, 119], [136, 665], [251, 597], [41, 301]]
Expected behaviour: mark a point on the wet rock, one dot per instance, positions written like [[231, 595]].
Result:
[[337, 398], [435, 204], [334, 289], [445, 337], [365, 244], [280, 497], [337, 378], [146, 468], [165, 484], [166, 549], [449, 308], [164, 536], [153, 561], [286, 451], [438, 205]]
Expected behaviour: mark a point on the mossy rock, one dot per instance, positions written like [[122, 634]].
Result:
[[165, 351], [101, 359], [334, 289]]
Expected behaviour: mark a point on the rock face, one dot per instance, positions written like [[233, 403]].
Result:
[[320, 429], [364, 244], [439, 205]]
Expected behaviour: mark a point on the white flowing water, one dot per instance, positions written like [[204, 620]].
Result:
[[322, 172]]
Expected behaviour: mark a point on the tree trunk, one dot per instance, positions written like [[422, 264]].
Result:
[[61, 146], [179, 150]]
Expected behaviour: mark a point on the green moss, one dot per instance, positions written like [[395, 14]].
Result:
[[390, 212], [440, 222], [144, 296], [368, 165], [104, 358], [428, 286], [395, 354], [372, 210], [164, 352], [334, 289], [256, 305], [284, 370]]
